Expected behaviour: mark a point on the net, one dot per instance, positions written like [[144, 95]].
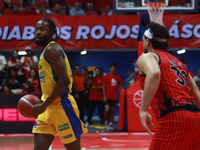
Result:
[[156, 10]]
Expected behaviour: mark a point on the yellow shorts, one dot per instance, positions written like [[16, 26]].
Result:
[[61, 118]]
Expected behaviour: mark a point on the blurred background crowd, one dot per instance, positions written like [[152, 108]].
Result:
[[66, 7], [56, 7]]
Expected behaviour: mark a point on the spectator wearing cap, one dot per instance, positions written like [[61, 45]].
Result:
[[76, 10], [90, 10], [58, 10], [89, 3], [29, 56]]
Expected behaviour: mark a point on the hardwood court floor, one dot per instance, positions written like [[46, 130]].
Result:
[[89, 141]]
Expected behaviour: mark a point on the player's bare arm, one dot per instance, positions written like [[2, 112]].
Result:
[[148, 65], [195, 90], [55, 57]]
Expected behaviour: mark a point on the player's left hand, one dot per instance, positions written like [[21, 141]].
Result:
[[145, 119], [38, 109]]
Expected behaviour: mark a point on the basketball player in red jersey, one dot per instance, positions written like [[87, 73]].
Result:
[[171, 92]]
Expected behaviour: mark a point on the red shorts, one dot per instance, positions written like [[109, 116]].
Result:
[[179, 130]]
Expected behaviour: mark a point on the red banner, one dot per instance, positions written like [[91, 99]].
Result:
[[184, 30], [84, 32]]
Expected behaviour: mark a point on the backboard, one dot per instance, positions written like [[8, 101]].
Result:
[[139, 5]]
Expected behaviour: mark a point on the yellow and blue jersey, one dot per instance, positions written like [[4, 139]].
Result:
[[62, 116], [48, 77]]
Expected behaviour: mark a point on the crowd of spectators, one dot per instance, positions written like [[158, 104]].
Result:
[[66, 7], [56, 7], [19, 74]]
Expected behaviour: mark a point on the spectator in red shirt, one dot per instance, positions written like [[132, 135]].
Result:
[[88, 3], [96, 96], [43, 12], [13, 11], [2, 4], [112, 82], [39, 3], [177, 2], [90, 11], [29, 56], [18, 3], [31, 65], [58, 10], [101, 4], [29, 10], [12, 60], [32, 83], [61, 2]]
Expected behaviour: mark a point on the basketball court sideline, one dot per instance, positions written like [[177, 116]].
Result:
[[89, 141]]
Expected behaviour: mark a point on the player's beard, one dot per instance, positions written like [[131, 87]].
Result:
[[43, 42]]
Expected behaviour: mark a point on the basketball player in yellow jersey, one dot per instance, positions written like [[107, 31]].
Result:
[[58, 114]]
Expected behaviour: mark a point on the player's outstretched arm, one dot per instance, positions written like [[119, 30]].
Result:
[[195, 90]]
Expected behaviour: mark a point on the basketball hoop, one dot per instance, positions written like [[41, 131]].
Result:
[[156, 10]]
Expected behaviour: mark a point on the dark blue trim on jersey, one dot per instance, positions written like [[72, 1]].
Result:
[[65, 92], [61, 50], [45, 50], [45, 58], [73, 119]]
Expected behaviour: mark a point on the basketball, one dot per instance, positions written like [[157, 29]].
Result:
[[26, 103]]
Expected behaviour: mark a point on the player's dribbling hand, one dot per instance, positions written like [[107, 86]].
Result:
[[38, 109], [145, 119]]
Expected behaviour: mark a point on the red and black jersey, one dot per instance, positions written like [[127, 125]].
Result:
[[174, 89]]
